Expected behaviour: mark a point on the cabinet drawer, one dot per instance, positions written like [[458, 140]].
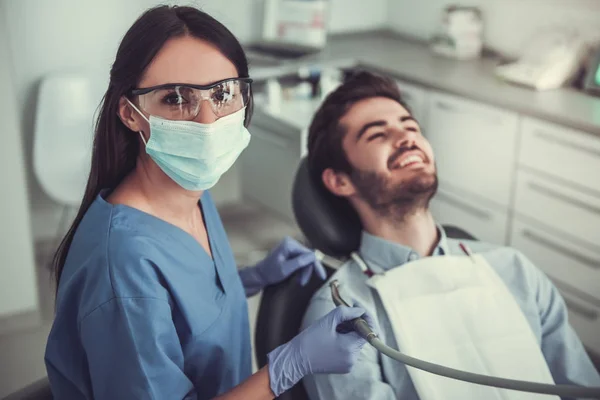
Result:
[[565, 153], [485, 224], [565, 260], [474, 146], [561, 207], [416, 98], [268, 168], [584, 317], [575, 271]]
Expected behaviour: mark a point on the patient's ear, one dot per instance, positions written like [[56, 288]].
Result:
[[338, 183]]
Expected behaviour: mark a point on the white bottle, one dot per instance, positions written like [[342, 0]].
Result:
[[274, 97], [329, 81], [303, 91]]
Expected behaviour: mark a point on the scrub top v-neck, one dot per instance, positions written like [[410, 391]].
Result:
[[144, 312]]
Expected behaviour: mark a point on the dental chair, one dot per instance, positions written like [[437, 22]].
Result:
[[38, 390], [329, 225]]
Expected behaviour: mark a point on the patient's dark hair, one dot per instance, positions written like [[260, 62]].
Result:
[[325, 134]]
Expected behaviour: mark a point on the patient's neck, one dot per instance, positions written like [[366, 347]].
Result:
[[417, 230]]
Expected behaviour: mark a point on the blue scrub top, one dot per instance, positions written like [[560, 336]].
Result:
[[143, 312]]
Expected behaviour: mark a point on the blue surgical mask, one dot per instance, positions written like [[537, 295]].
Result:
[[196, 155]]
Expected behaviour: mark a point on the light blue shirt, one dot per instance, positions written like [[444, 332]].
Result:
[[376, 377], [143, 312]]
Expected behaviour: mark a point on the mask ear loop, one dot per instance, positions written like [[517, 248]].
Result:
[[143, 116], [143, 139]]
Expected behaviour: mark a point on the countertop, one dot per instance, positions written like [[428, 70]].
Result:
[[412, 61]]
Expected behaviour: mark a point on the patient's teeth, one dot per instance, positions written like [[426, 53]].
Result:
[[410, 159]]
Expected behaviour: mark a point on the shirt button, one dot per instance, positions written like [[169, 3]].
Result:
[[413, 256]]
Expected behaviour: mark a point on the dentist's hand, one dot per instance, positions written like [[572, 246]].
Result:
[[317, 349], [285, 259]]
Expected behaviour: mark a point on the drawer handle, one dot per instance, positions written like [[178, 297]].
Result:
[[564, 198], [464, 206], [591, 315], [594, 264], [490, 117], [553, 139]]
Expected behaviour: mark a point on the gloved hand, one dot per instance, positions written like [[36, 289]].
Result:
[[317, 349], [285, 259]]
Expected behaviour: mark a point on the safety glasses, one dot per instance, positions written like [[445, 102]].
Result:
[[182, 102]]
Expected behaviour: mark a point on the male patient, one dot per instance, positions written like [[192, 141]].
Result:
[[365, 146]]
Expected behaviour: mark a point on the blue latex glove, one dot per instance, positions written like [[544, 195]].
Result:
[[285, 259], [319, 349]]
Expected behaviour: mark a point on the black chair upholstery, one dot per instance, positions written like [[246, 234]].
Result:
[[457, 233], [279, 319], [328, 222], [39, 390], [329, 225]]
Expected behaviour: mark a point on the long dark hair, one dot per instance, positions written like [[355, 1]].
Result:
[[115, 149]]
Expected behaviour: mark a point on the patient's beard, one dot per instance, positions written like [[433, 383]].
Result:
[[398, 200]]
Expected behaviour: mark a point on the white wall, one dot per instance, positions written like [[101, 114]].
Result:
[[507, 22], [18, 290], [355, 15], [46, 36], [18, 286]]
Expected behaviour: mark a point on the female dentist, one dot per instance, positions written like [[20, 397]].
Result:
[[150, 304]]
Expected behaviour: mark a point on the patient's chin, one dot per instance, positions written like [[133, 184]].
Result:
[[421, 182], [420, 188], [382, 193]]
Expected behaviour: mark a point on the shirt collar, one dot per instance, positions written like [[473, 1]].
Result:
[[387, 255]]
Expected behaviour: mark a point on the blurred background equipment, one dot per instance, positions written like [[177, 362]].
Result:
[[552, 57], [63, 135], [293, 28], [591, 83], [460, 33]]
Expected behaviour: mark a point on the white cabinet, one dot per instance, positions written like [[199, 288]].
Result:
[[564, 153], [557, 216], [474, 145], [486, 223], [573, 266], [416, 98], [565, 259], [574, 212]]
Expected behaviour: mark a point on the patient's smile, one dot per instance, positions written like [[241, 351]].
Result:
[[411, 159]]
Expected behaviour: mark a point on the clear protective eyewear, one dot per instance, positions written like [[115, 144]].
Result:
[[182, 101]]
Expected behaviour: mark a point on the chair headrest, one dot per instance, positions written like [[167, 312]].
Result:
[[328, 222]]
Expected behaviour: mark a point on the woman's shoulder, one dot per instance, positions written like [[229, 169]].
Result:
[[132, 250], [134, 265], [114, 247], [116, 231]]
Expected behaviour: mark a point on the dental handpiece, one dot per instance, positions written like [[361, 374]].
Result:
[[358, 324], [362, 328]]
